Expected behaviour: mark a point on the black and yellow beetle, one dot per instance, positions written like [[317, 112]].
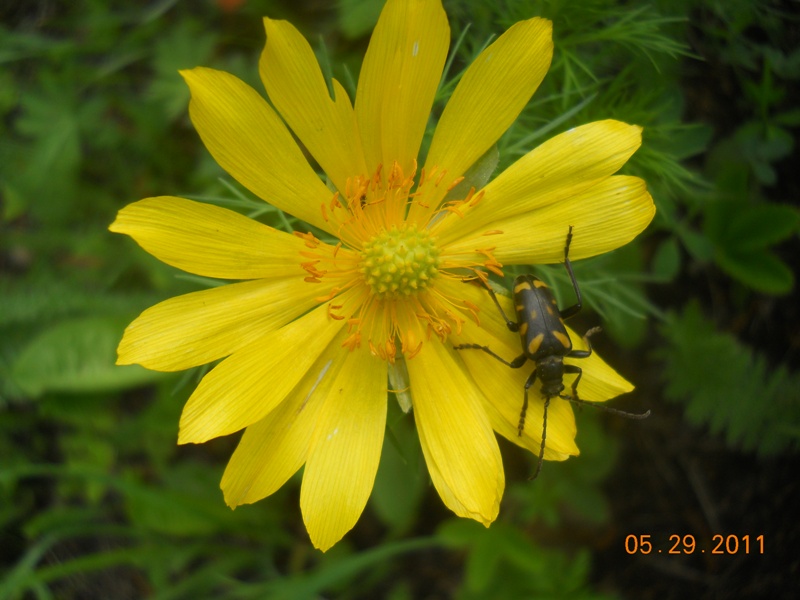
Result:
[[545, 341]]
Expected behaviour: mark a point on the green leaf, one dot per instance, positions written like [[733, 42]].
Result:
[[77, 355], [755, 226], [789, 118], [400, 482], [698, 245], [458, 533], [335, 570], [667, 260], [189, 503], [14, 204], [16, 45], [484, 561], [759, 269], [185, 46], [687, 140], [762, 146], [9, 92], [358, 17], [50, 163], [477, 175], [778, 143], [504, 562]]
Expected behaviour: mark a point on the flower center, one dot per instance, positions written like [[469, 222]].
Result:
[[399, 262]]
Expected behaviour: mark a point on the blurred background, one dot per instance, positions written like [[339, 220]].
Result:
[[701, 312]]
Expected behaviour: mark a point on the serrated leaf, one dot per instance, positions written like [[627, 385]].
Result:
[[77, 355], [723, 384], [31, 302]]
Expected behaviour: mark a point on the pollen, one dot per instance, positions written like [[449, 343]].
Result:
[[399, 262]]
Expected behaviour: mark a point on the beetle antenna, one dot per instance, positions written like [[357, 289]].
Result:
[[616, 411]]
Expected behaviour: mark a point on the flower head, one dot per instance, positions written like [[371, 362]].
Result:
[[311, 327]]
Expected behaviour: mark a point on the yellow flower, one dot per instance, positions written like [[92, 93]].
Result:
[[310, 331]]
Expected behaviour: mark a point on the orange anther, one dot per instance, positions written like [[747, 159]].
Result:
[[455, 182]]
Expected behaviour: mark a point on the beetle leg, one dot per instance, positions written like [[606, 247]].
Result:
[[616, 411], [588, 352], [544, 436], [514, 364], [575, 400], [513, 326], [579, 371], [523, 412]]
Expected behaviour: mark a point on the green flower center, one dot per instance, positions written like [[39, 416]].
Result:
[[397, 263]]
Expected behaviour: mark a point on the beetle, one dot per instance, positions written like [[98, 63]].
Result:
[[545, 342]]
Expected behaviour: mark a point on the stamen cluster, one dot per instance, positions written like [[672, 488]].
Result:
[[399, 262]]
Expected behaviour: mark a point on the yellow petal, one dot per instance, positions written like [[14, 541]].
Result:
[[489, 97], [198, 328], [208, 240], [249, 141], [297, 88], [459, 446], [345, 449], [274, 448], [604, 217], [398, 81], [450, 497], [250, 383], [562, 167]]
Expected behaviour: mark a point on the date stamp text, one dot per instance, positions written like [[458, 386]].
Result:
[[686, 544]]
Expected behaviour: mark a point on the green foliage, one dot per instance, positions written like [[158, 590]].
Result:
[[358, 17], [94, 493], [167, 528], [741, 222], [76, 356], [743, 234], [60, 337], [727, 387], [504, 563]]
